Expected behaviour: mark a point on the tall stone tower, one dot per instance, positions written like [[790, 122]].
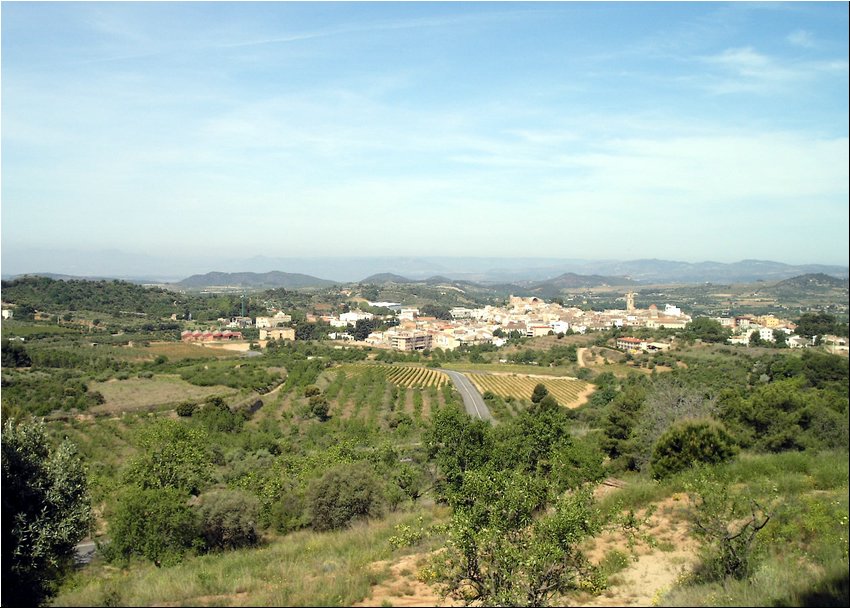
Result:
[[630, 301]]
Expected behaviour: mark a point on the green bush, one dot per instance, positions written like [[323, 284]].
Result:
[[344, 493], [156, 523], [228, 519], [186, 409], [319, 407], [217, 417], [691, 442]]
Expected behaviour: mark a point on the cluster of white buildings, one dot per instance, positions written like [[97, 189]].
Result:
[[531, 317]]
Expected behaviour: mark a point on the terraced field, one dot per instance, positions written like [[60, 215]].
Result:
[[569, 392]]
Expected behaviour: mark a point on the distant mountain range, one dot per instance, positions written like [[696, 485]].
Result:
[[745, 271], [567, 274], [302, 272]]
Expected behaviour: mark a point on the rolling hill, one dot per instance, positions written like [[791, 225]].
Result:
[[253, 280]]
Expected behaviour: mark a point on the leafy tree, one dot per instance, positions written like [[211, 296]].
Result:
[[498, 554], [619, 422], [689, 443], [46, 512], [458, 443], [538, 393], [822, 369], [707, 330], [528, 441], [216, 416], [345, 492], [172, 454], [14, 355], [24, 312], [156, 523], [816, 324], [769, 419], [576, 463], [435, 310], [362, 328]]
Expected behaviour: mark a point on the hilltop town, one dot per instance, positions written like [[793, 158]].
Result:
[[530, 317]]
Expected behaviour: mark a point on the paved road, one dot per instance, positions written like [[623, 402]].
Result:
[[472, 400], [84, 552]]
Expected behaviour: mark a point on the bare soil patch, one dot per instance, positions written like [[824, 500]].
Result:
[[656, 568], [402, 588]]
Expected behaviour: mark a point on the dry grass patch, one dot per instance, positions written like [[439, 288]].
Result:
[[145, 393]]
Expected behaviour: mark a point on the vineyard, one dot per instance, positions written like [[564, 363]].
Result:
[[568, 391], [407, 376], [386, 396]]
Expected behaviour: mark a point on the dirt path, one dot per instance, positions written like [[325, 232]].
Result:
[[583, 396], [580, 356]]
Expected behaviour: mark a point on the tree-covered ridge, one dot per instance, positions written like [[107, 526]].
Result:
[[115, 297]]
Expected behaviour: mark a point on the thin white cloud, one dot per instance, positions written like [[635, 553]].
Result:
[[801, 38], [746, 70]]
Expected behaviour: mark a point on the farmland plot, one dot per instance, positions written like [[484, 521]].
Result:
[[408, 376], [569, 392], [373, 392]]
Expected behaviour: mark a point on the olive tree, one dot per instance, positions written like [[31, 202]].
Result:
[[46, 512]]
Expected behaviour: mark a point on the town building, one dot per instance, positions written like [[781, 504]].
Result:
[[209, 335], [277, 333], [409, 340]]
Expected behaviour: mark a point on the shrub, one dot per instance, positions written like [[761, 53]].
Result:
[[217, 417], [155, 523], [186, 409], [319, 407], [312, 390], [691, 442], [727, 524], [228, 519], [344, 493]]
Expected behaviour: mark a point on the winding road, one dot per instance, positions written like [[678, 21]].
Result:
[[472, 400]]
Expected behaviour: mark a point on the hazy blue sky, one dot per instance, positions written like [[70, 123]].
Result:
[[687, 131]]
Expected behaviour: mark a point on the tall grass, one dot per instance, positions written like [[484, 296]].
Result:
[[301, 569]]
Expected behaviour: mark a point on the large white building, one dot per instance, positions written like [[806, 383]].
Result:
[[353, 316]]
